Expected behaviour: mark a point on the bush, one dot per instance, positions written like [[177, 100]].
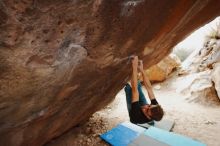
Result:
[[182, 53]]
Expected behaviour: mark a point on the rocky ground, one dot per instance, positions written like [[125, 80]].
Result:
[[194, 116]]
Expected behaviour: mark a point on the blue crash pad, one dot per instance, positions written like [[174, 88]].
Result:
[[119, 136], [171, 138], [130, 134]]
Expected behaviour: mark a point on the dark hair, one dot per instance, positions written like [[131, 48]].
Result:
[[157, 112]]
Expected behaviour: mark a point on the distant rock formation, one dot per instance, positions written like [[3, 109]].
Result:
[[203, 69], [216, 78], [62, 60]]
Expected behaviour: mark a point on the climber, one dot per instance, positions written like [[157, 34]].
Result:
[[139, 110]]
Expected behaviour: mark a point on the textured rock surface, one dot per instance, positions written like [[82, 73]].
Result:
[[60, 60], [203, 59], [198, 88], [163, 69], [199, 84]]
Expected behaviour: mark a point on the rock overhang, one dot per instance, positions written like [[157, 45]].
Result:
[[60, 61]]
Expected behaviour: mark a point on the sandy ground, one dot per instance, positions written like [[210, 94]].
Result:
[[193, 118]]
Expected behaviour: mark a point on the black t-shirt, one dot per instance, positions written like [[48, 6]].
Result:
[[136, 114]]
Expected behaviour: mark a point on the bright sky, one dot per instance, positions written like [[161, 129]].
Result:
[[197, 38]]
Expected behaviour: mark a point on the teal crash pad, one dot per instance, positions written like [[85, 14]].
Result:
[[171, 138]]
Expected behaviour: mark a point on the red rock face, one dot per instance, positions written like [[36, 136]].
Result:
[[62, 60]]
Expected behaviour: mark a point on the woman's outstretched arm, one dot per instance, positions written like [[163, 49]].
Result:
[[147, 83]]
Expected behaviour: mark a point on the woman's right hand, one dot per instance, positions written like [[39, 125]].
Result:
[[135, 61], [140, 66]]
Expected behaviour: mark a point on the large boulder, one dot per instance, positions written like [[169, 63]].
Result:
[[198, 87], [161, 71], [216, 77], [60, 60]]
